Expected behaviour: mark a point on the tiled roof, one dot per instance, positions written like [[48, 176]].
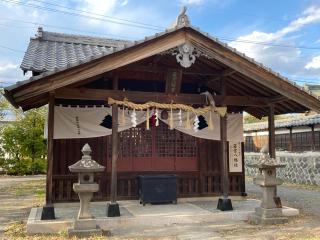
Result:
[[78, 55], [50, 51], [296, 121]]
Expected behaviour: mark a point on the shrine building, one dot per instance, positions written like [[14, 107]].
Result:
[[171, 103]]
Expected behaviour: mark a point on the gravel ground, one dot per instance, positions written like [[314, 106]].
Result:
[[19, 194], [307, 201], [16, 198]]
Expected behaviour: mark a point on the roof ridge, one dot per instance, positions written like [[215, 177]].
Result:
[[76, 38]]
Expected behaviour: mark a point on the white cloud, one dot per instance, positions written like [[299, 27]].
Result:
[[192, 2], [7, 66], [314, 63], [99, 6], [125, 2], [311, 15], [288, 60]]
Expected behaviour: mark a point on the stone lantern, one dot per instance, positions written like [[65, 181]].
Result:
[[85, 224], [268, 212]]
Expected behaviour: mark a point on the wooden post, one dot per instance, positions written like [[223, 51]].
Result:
[[290, 140], [113, 194], [113, 207], [272, 147], [48, 209], [224, 157], [224, 203], [272, 136], [313, 144]]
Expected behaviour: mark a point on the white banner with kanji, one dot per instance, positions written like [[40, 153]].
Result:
[[235, 157]]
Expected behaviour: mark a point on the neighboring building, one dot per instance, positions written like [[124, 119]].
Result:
[[297, 133], [314, 88]]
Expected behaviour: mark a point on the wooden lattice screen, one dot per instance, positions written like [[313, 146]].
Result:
[[156, 149]]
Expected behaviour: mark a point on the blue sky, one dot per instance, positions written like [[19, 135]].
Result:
[[238, 22]]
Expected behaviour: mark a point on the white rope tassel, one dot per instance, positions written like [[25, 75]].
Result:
[[180, 117], [134, 118], [196, 123], [157, 117], [147, 120]]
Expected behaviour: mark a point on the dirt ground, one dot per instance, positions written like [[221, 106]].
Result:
[[19, 194]]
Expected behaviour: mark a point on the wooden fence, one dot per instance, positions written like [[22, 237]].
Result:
[[292, 141]]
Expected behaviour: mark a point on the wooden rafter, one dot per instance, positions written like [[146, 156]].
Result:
[[141, 97]]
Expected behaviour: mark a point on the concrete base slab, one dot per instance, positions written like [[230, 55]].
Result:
[[267, 216], [84, 233], [254, 219], [83, 224], [139, 217]]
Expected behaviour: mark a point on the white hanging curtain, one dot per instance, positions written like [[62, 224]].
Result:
[[234, 126], [79, 122]]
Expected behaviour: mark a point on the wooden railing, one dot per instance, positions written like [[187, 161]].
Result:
[[189, 184]]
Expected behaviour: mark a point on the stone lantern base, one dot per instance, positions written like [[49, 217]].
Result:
[[84, 228], [268, 216]]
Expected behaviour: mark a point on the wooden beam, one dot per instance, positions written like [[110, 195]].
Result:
[[141, 97], [272, 135], [225, 73], [135, 96], [160, 69]]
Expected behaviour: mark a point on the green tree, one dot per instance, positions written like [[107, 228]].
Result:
[[4, 105], [23, 143]]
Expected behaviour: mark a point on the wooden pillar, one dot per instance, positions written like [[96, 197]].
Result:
[[290, 140], [113, 194], [313, 143], [224, 203], [113, 207], [48, 209], [224, 157], [272, 135], [272, 147]]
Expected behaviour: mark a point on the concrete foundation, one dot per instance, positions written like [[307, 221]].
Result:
[[268, 216], [133, 215]]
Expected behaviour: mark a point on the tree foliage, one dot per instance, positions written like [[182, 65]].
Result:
[[22, 146], [4, 105]]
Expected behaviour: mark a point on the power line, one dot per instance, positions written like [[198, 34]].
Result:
[[152, 28], [58, 27], [80, 15], [12, 49], [100, 15], [269, 44]]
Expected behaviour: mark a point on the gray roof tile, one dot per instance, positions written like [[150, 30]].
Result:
[[50, 51], [296, 121]]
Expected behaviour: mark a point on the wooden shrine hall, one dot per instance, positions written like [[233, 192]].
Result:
[[170, 103]]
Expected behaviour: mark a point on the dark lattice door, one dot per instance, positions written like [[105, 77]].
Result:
[[157, 149]]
